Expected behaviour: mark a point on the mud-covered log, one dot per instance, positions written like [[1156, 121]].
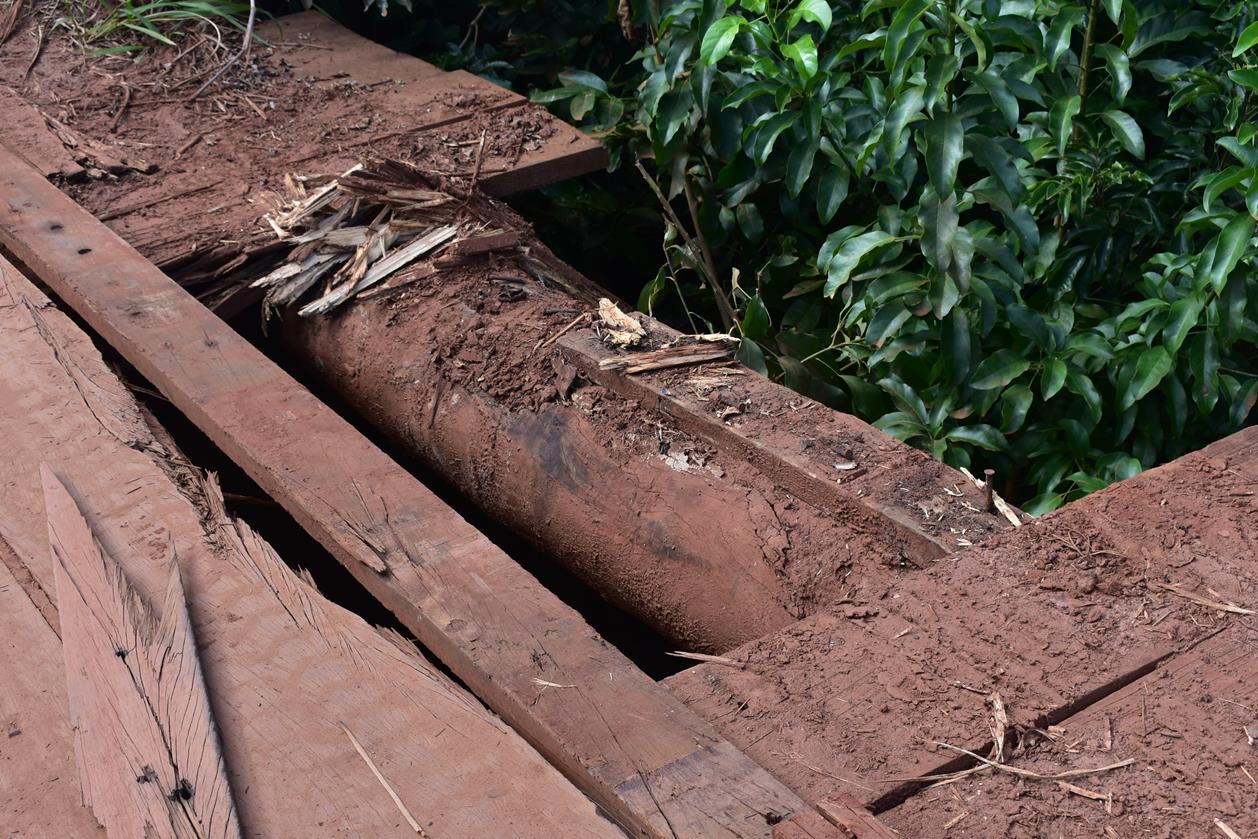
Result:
[[678, 548], [669, 511]]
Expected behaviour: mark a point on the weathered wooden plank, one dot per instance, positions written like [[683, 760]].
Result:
[[884, 485], [26, 132], [39, 792], [1185, 726], [288, 671], [809, 825], [1051, 615], [145, 742], [656, 767]]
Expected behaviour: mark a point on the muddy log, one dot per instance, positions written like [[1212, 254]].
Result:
[[677, 550], [668, 511]]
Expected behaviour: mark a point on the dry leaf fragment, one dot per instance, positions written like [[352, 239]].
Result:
[[622, 330]]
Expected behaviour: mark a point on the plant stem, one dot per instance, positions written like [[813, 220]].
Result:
[[722, 302], [728, 317], [244, 50], [1085, 58]]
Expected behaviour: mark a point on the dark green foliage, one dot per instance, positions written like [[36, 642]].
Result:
[[1011, 232]]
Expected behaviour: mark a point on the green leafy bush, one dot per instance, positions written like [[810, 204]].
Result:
[[1015, 232]]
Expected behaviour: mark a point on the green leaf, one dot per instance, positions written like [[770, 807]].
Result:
[[1183, 317], [1001, 96], [909, 13], [1248, 37], [982, 46], [945, 138], [1061, 120], [674, 109], [1126, 131], [1082, 386], [954, 340], [939, 221], [998, 370], [1119, 67], [749, 353], [831, 192], [581, 105], [1151, 367], [1014, 404], [817, 11], [906, 399], [582, 78], [1054, 378], [719, 38], [907, 106], [1247, 78], [1114, 9], [765, 135], [799, 167], [886, 322], [850, 254], [1232, 243], [756, 322], [804, 53], [983, 436], [1058, 39], [991, 155], [1203, 361]]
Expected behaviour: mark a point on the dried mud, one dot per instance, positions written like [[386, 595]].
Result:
[[1052, 616]]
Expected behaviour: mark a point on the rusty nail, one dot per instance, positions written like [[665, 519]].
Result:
[[988, 474]]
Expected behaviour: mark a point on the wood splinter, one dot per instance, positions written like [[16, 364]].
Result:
[[137, 696]]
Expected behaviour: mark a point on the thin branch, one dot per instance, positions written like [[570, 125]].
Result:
[[709, 271], [241, 53]]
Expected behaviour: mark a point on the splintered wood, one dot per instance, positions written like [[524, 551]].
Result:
[[285, 668], [367, 228], [147, 749]]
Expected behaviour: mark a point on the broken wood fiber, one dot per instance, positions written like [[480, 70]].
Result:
[[656, 768], [147, 748], [285, 667]]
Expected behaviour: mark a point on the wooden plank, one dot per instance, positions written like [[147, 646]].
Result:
[[288, 671], [834, 819], [1184, 725], [1052, 615], [659, 769], [26, 132], [809, 825], [327, 97], [39, 792], [137, 696]]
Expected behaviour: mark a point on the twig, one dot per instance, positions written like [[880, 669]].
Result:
[[241, 53], [40, 39], [9, 23], [1178, 590], [480, 151], [384, 783], [723, 305], [1027, 773], [1225, 830], [540, 345], [122, 106], [713, 659]]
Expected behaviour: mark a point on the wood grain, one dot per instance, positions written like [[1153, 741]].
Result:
[[147, 750], [39, 790], [284, 667], [655, 766]]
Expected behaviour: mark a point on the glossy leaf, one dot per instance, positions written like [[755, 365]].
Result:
[[719, 38]]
